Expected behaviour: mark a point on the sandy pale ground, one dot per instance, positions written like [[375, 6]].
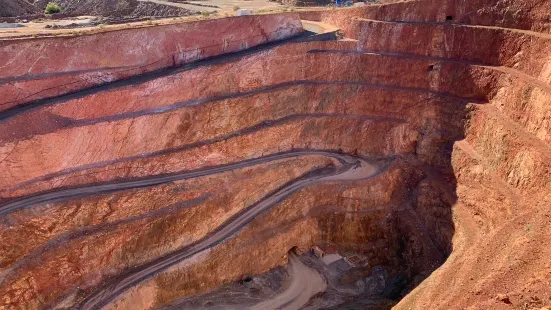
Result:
[[305, 283]]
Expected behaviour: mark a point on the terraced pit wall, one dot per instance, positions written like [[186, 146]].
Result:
[[525, 15], [40, 68], [456, 122]]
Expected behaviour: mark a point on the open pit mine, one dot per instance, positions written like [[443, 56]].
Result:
[[389, 155]]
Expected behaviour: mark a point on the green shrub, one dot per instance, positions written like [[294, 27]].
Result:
[[52, 8]]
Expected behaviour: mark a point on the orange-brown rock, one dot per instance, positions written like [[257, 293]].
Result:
[[40, 68], [455, 114]]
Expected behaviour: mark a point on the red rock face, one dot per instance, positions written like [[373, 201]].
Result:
[[48, 67], [525, 15], [454, 119]]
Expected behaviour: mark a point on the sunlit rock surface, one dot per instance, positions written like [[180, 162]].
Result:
[[422, 142]]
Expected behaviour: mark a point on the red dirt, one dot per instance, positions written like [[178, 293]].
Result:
[[48, 67], [460, 111]]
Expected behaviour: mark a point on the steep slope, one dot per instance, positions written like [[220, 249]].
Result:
[[422, 143], [10, 8]]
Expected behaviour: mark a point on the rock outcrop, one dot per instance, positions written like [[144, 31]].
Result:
[[422, 143], [9, 8], [116, 8]]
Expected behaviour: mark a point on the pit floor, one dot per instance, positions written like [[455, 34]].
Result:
[[346, 288]]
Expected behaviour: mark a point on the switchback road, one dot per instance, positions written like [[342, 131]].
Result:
[[349, 168]]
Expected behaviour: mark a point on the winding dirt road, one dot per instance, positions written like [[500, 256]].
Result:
[[349, 168], [305, 283], [63, 194]]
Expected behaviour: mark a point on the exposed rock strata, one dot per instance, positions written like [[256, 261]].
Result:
[[40, 68], [525, 15], [456, 117]]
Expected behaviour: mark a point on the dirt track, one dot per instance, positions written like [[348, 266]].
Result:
[[351, 168], [358, 170], [306, 282]]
